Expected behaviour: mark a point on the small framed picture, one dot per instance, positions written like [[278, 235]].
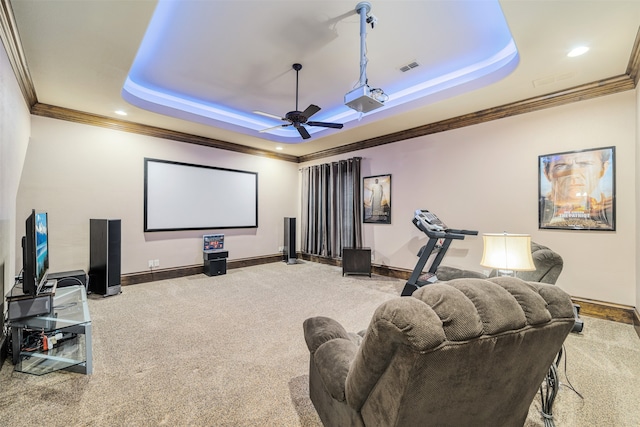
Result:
[[576, 190], [376, 199], [213, 242]]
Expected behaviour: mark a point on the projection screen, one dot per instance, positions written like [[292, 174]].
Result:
[[182, 196]]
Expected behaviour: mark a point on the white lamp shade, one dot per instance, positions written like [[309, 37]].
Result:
[[507, 252]]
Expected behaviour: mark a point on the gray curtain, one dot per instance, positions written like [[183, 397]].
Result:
[[331, 208]]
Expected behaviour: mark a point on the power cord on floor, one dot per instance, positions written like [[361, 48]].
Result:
[[546, 399], [550, 387], [566, 376]]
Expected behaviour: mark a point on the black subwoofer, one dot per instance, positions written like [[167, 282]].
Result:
[[215, 267]]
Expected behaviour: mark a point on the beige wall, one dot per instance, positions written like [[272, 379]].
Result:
[[76, 172], [484, 178], [14, 138], [637, 181]]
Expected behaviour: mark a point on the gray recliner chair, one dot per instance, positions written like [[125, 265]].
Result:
[[468, 352], [547, 262]]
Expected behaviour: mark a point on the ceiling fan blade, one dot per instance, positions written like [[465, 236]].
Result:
[[310, 111], [274, 127], [273, 116], [303, 132], [326, 125]]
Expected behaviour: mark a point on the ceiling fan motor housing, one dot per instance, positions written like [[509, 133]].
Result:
[[296, 117]]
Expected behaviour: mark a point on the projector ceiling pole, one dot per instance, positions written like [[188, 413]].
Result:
[[363, 8], [297, 67]]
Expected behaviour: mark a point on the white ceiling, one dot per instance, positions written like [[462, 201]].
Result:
[[79, 54]]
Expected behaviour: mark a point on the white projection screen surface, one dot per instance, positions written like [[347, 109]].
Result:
[[182, 196]]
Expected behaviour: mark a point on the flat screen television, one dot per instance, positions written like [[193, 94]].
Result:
[[213, 242], [35, 253]]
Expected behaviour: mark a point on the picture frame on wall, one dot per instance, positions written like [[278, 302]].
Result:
[[376, 199], [576, 190]]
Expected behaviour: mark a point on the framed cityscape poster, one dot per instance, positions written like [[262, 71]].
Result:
[[576, 190], [376, 199]]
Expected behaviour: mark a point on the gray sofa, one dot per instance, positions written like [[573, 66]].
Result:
[[467, 352], [547, 262]]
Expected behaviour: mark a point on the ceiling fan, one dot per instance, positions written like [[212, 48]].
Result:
[[299, 118]]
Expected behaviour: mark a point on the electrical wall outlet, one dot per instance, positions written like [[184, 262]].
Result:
[[280, 248], [156, 263], [150, 263]]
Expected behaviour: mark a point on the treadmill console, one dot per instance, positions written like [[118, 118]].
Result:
[[429, 220]]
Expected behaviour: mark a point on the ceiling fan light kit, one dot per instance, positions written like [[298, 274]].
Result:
[[364, 99]]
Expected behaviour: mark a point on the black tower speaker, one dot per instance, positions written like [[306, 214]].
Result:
[[289, 249], [104, 256]]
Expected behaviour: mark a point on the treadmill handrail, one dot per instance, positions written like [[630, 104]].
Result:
[[467, 232]]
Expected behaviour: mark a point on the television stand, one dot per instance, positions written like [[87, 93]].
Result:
[[68, 329]]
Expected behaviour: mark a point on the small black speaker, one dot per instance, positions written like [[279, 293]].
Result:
[[105, 256], [69, 278], [215, 267], [289, 249], [29, 307], [211, 255]]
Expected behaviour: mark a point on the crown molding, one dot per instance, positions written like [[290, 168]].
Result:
[[578, 93], [627, 81], [633, 68], [67, 114], [11, 41]]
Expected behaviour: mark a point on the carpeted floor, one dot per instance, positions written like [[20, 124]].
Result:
[[229, 351]]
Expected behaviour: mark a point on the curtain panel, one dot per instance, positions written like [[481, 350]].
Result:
[[331, 208]]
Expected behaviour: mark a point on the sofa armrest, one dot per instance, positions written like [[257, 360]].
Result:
[[319, 330], [445, 274], [332, 360]]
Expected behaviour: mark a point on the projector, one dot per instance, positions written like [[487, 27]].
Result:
[[363, 99]]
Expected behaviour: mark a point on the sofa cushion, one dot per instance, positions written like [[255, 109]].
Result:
[[448, 303], [499, 311], [531, 303]]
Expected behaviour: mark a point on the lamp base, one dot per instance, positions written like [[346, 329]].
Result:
[[506, 273]]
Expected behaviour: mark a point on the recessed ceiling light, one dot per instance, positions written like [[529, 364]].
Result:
[[279, 148], [578, 51], [120, 113]]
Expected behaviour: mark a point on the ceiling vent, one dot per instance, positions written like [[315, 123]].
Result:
[[409, 66], [553, 79]]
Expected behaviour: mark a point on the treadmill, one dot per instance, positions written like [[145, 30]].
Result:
[[440, 238]]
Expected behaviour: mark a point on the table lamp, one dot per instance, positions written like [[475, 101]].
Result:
[[507, 253]]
